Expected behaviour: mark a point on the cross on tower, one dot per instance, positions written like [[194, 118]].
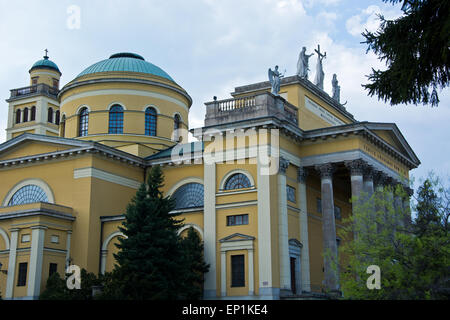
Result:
[[46, 53]]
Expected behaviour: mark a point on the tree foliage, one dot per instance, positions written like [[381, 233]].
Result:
[[414, 257], [415, 48], [56, 288]]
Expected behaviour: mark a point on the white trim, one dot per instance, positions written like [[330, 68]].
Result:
[[238, 191], [237, 204], [38, 182], [152, 106], [77, 113], [12, 263], [193, 225], [125, 92], [232, 172], [179, 114], [91, 172], [234, 245], [5, 238], [116, 103], [104, 250], [110, 237], [36, 259], [183, 182]]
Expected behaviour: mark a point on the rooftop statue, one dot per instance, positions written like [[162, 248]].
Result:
[[302, 64], [318, 81], [336, 88], [275, 79]]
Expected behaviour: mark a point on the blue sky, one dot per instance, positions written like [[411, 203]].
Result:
[[209, 47]]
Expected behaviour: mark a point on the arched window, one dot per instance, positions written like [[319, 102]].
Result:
[[28, 194], [57, 117], [25, 115], [33, 113], [189, 195], [18, 112], [176, 126], [83, 122], [237, 181], [150, 121], [63, 126], [115, 119], [50, 115]]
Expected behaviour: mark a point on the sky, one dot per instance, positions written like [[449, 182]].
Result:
[[209, 47]]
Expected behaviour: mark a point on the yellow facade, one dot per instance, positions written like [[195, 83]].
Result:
[[85, 175]]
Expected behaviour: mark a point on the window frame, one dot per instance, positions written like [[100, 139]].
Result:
[[237, 220], [22, 274], [151, 121], [83, 122], [237, 275], [115, 119]]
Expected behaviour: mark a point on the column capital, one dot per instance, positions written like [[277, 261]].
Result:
[[326, 170], [302, 173], [356, 167], [380, 178], [368, 172], [284, 164]]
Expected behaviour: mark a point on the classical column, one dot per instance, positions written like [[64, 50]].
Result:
[[283, 237], [223, 273], [251, 274], [12, 263], [266, 289], [407, 206], [209, 227], [356, 176], [328, 227], [36, 256], [303, 220], [368, 181], [104, 256], [69, 235]]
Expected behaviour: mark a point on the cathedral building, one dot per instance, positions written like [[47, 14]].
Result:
[[266, 183]]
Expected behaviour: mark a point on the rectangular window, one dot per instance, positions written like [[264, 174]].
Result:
[[22, 276], [337, 213], [26, 238], [52, 269], [237, 220], [238, 271], [290, 191], [34, 80], [55, 83], [319, 205]]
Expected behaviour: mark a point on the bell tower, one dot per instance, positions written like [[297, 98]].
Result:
[[35, 108]]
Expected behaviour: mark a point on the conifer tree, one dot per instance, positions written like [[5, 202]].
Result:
[[415, 48], [149, 261], [194, 264]]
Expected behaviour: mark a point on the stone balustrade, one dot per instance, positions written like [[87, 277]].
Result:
[[250, 107]]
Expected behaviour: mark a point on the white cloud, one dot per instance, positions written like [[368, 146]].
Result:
[[368, 19]]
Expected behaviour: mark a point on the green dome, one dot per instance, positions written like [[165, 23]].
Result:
[[45, 63], [126, 62]]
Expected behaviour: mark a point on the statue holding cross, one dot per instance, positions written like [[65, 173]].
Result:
[[318, 81]]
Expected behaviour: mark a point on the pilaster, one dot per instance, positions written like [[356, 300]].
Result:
[[303, 220]]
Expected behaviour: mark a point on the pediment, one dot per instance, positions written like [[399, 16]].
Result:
[[390, 134], [237, 237], [31, 144]]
